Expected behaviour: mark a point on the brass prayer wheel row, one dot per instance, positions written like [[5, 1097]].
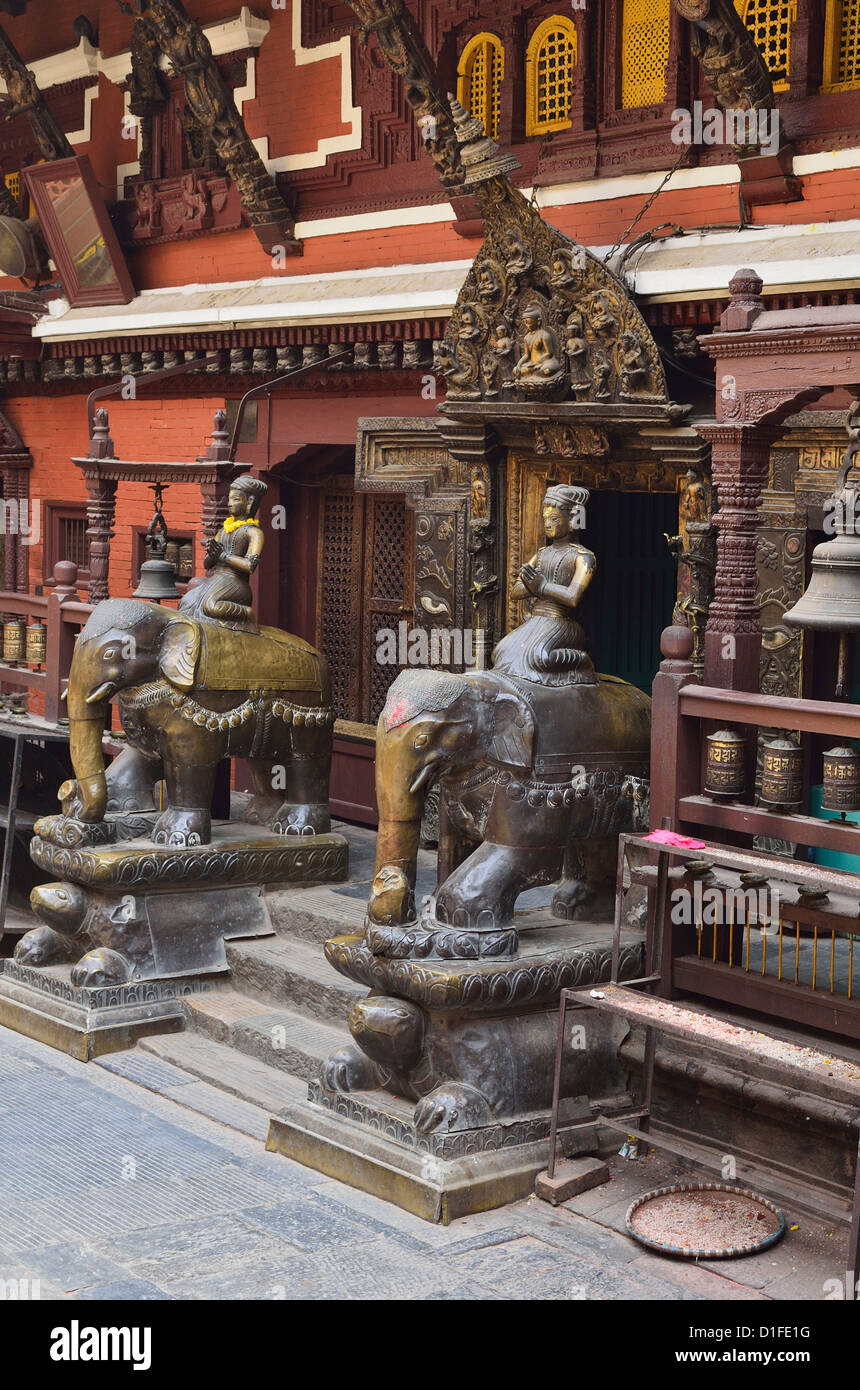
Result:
[[25, 644], [781, 773]]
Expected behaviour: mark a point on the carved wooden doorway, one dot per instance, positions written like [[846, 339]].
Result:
[[346, 577]]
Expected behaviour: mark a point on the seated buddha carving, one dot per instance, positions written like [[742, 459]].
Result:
[[539, 365]]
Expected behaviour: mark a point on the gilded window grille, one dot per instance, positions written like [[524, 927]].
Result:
[[770, 25], [550, 63], [645, 52], [842, 46], [479, 80]]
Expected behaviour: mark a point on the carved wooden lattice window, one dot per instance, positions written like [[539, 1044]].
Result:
[[479, 79], [645, 52], [770, 25], [365, 585], [842, 46], [550, 61], [66, 537]]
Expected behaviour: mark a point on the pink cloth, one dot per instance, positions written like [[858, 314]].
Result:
[[671, 837]]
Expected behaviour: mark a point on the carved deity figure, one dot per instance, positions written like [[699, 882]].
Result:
[[577, 353], [230, 560], [568, 267], [480, 508], [634, 366], [548, 648], [489, 283], [519, 257], [539, 364]]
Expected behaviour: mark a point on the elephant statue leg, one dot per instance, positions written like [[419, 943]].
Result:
[[131, 780], [481, 894], [188, 817], [587, 891], [262, 809], [305, 807]]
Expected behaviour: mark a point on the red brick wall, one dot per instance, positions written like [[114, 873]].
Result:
[[55, 429]]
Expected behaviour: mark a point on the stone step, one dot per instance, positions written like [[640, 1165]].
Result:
[[315, 914], [295, 974], [277, 1037], [225, 1070]]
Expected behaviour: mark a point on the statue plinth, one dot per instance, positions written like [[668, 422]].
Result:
[[442, 1103], [129, 927]]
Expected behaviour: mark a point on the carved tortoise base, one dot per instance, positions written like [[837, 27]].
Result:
[[87, 1023], [130, 910]]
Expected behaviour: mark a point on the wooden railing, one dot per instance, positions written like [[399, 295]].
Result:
[[64, 615], [802, 965]]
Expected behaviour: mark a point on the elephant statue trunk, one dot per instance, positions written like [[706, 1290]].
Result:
[[86, 728], [401, 807]]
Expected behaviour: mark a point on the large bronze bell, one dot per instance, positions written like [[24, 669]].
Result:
[[831, 601], [157, 581], [157, 573]]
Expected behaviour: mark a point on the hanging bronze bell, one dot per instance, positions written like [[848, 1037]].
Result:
[[831, 601], [157, 581]]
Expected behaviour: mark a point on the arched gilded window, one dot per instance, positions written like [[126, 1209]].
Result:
[[644, 52], [842, 46], [550, 61], [770, 25], [479, 79]]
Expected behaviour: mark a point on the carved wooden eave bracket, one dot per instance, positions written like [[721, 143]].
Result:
[[212, 107], [741, 83], [23, 97]]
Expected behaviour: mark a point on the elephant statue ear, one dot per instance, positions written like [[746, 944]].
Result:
[[513, 734], [180, 648]]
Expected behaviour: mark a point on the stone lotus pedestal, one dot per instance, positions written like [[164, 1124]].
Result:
[[442, 1104], [131, 927]]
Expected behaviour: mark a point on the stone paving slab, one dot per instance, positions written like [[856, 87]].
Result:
[[112, 1188]]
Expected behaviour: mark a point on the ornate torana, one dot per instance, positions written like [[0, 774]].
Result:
[[539, 317]]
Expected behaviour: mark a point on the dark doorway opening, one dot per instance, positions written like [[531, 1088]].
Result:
[[632, 594]]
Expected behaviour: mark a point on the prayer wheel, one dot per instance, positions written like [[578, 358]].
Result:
[[782, 773], [725, 771]]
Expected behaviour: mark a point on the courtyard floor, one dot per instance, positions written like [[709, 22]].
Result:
[[111, 1190]]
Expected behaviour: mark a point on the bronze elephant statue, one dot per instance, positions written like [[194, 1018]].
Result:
[[190, 693], [535, 784]]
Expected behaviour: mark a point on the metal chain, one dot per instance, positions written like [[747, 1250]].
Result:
[[646, 205]]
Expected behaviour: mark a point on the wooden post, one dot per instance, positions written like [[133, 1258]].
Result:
[[740, 460], [60, 639], [675, 764]]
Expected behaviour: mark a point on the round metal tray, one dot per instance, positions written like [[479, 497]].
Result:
[[752, 1202]]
